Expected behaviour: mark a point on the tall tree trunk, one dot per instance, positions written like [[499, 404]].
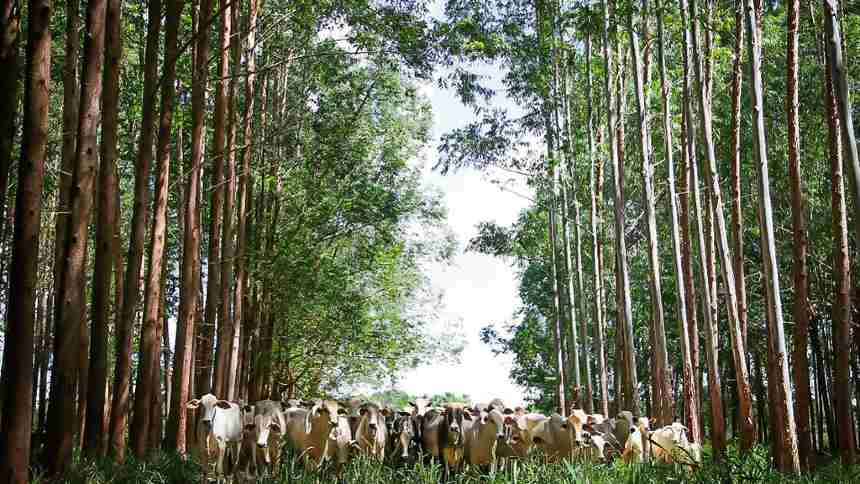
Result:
[[243, 208], [573, 347], [735, 171], [146, 389], [597, 273], [798, 220], [625, 316], [225, 329], [71, 105], [10, 25], [106, 244], [131, 297], [691, 403], [841, 131], [718, 436], [70, 312], [583, 320], [713, 179], [203, 372], [787, 458], [662, 409], [16, 425], [183, 354]]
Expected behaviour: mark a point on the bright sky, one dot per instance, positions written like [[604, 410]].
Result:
[[477, 289]]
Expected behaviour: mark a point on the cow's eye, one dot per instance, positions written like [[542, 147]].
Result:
[[275, 427]]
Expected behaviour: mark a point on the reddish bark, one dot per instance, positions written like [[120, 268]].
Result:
[[106, 243], [800, 269], [131, 292], [70, 311], [15, 432], [176, 438], [146, 389]]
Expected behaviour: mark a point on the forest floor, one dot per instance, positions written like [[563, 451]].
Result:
[[755, 467]]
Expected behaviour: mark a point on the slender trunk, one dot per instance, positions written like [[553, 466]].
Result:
[[718, 437], [106, 244], [183, 354], [225, 328], [597, 273], [692, 335], [557, 323], [798, 219], [573, 345], [70, 312], [735, 170], [713, 179], [203, 373], [781, 399], [146, 391], [71, 104], [583, 320], [625, 316], [131, 296], [16, 425], [691, 404], [10, 25], [242, 208], [842, 305], [661, 394]]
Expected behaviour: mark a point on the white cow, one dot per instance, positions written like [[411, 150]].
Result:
[[224, 422], [670, 444]]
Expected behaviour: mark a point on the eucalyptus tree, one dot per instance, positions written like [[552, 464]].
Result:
[[70, 308], [841, 126], [747, 425], [691, 401], [17, 378], [137, 228], [148, 377], [800, 268]]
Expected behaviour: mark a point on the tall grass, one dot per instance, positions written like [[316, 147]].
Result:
[[754, 467]]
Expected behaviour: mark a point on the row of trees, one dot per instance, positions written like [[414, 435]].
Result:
[[716, 136], [221, 198]]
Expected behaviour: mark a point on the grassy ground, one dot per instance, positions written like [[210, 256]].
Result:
[[170, 469]]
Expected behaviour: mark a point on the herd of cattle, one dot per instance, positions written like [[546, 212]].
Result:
[[321, 431]]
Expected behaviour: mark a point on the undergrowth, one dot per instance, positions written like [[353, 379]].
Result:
[[753, 467]]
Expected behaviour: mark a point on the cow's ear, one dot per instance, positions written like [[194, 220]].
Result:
[[284, 406], [386, 412], [248, 409], [467, 415], [404, 414], [341, 411], [412, 404], [588, 427], [308, 403], [193, 404], [508, 411], [223, 404]]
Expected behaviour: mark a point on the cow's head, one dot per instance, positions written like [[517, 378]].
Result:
[[453, 416], [679, 433], [577, 421], [517, 434], [325, 412], [209, 403], [495, 419], [270, 425], [403, 432], [370, 413]]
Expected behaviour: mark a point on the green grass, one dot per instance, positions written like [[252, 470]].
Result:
[[755, 467]]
